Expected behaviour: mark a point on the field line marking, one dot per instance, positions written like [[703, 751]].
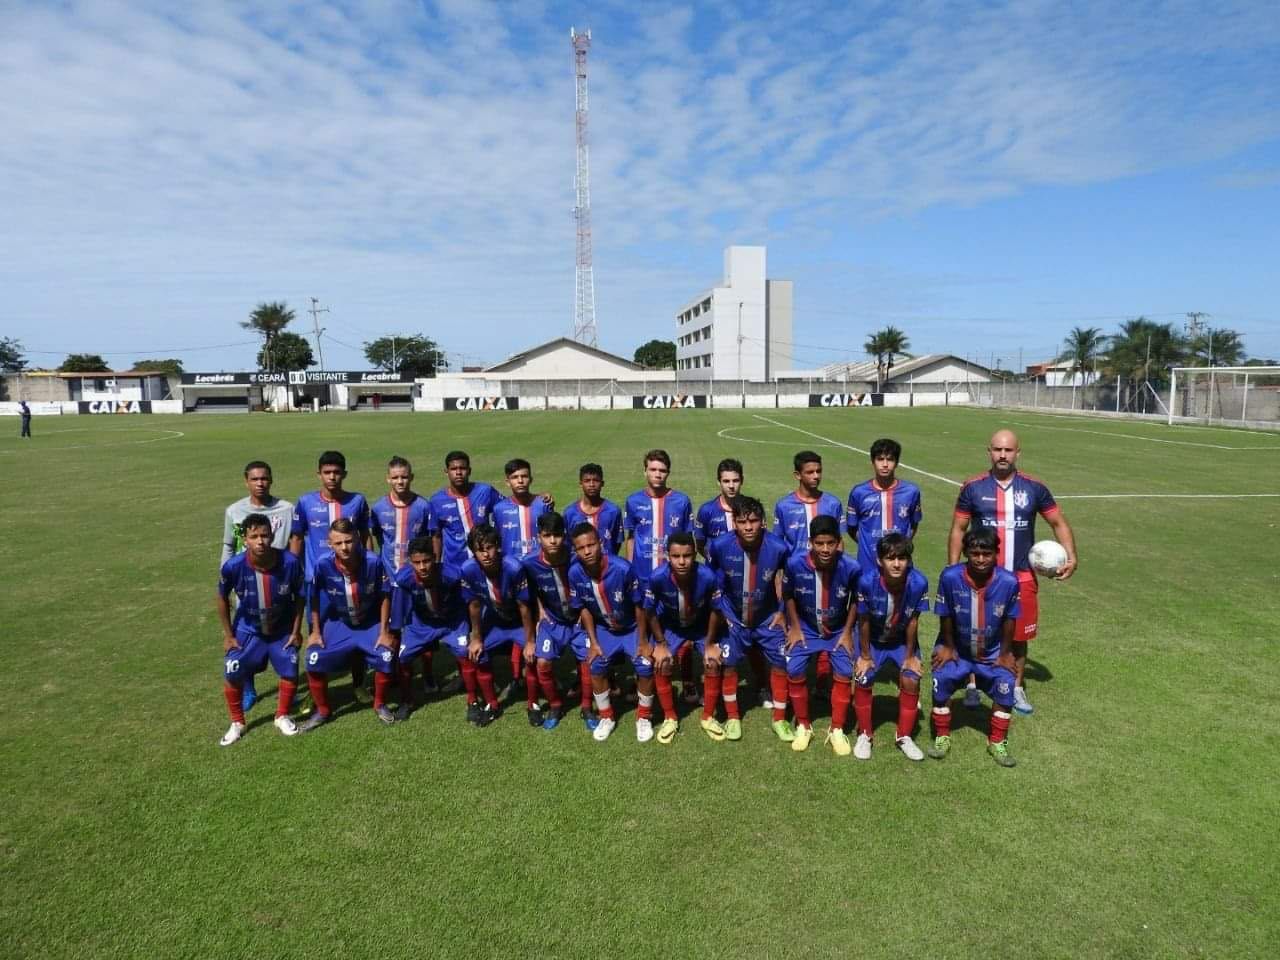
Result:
[[847, 446], [724, 434], [1136, 436], [172, 435], [1165, 496], [1263, 434]]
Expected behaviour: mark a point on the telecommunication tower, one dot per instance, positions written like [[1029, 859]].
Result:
[[584, 301]]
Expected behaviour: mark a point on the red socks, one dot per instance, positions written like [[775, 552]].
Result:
[[604, 706], [547, 681], [862, 708], [999, 726], [468, 670], [778, 693], [318, 683], [666, 697], [908, 710], [235, 699], [840, 694], [381, 683], [531, 683], [799, 690], [406, 681], [284, 697], [729, 687], [942, 721], [584, 680], [711, 685], [484, 677], [824, 667]]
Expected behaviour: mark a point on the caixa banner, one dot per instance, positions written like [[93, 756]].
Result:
[[482, 403], [669, 401], [846, 399], [113, 406]]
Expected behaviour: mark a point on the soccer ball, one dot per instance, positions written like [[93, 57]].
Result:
[[1048, 557]]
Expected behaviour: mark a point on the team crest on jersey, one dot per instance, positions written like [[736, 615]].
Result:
[[617, 596], [904, 511], [1020, 499], [999, 609]]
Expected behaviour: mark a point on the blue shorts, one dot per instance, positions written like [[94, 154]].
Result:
[[342, 642], [995, 682], [800, 656], [766, 638], [254, 653], [731, 651], [495, 637], [616, 646], [554, 638], [416, 638], [888, 663]]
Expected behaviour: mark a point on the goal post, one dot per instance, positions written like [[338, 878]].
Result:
[[1241, 396]]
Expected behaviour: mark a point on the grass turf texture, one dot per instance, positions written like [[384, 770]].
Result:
[[1140, 820]]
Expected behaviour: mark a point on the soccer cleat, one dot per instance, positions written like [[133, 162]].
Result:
[[839, 741], [486, 716], [604, 727], [589, 719], [1020, 702], [763, 698], [384, 714], [972, 698], [552, 719], [784, 731], [316, 719], [668, 730], [644, 730], [711, 727], [403, 711], [909, 748], [1000, 753], [536, 716], [473, 712], [940, 747], [733, 729], [234, 733], [803, 734], [862, 749], [286, 726], [248, 695]]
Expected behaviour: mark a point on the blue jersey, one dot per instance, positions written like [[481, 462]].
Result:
[[979, 614], [1009, 507], [793, 514], [889, 614], [549, 584], [748, 580], [874, 511], [713, 519], [607, 520], [314, 513], [414, 602], [453, 517], [687, 611], [650, 520], [822, 597], [355, 598], [613, 598], [267, 599], [518, 526], [395, 525], [499, 595]]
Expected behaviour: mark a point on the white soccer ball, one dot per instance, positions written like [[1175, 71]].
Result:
[[1048, 557]]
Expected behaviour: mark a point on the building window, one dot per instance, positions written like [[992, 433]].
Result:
[[706, 332], [706, 304]]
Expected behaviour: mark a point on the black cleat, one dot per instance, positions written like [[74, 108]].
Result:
[[403, 711], [487, 715], [473, 712], [536, 716], [316, 719]]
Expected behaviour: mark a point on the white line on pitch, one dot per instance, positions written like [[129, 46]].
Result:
[[837, 443], [1165, 496], [1135, 436]]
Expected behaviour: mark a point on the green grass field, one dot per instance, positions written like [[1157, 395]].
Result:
[[1141, 820]]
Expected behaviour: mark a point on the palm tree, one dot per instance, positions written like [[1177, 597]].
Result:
[[1143, 351], [1218, 348], [884, 345], [1080, 352], [269, 319]]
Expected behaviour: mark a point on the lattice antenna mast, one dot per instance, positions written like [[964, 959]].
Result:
[[584, 301]]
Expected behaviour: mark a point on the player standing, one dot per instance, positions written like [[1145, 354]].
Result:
[[882, 505], [516, 516], [715, 517], [793, 514], [426, 607], [458, 508], [594, 509], [749, 561], [491, 585], [654, 513], [268, 585], [977, 605], [1007, 500], [819, 588], [399, 517], [680, 600], [891, 597]]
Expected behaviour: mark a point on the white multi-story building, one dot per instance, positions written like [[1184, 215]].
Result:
[[739, 329]]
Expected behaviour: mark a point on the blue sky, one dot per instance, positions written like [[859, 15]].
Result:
[[984, 176]]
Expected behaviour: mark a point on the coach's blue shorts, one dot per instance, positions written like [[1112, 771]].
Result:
[[800, 656], [495, 637], [253, 655], [342, 642], [995, 682], [554, 638], [888, 663], [766, 638], [416, 637], [616, 646]]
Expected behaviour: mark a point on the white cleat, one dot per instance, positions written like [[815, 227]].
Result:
[[605, 727], [1020, 702], [644, 730], [862, 748], [234, 733], [286, 726], [972, 698], [909, 748]]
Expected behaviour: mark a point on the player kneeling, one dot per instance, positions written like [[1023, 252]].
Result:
[[491, 586], [819, 586], [680, 601], [350, 618], [977, 605], [890, 601], [268, 584], [426, 607]]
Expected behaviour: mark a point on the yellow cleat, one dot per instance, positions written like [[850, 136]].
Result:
[[803, 735]]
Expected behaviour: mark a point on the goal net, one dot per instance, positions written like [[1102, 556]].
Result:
[[1231, 396]]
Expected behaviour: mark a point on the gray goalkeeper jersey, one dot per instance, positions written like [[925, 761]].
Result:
[[280, 513]]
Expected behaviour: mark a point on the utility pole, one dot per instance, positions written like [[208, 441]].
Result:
[[315, 312]]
